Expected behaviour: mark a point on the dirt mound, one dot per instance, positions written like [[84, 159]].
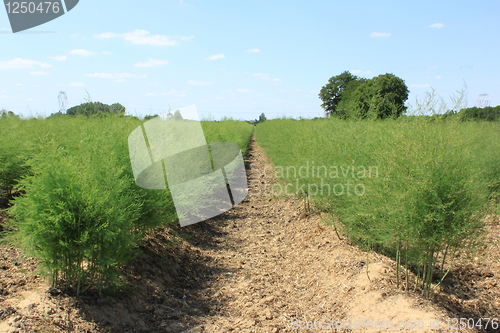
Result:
[[264, 266]]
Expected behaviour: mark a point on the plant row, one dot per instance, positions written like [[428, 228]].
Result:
[[414, 189], [80, 210]]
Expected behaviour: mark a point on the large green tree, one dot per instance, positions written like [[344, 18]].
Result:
[[337, 89], [378, 98]]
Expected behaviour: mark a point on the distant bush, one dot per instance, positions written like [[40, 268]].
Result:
[[4, 113], [261, 119], [148, 117], [96, 109]]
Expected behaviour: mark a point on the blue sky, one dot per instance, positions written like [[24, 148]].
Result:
[[243, 58]]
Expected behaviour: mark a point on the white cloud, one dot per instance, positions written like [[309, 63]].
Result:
[[380, 34], [59, 58], [141, 37], [360, 72], [19, 84], [193, 82], [438, 77], [149, 94], [19, 63], [297, 90], [39, 73], [76, 84], [216, 56], [116, 76], [152, 63], [107, 52], [420, 85], [253, 50], [437, 25], [81, 52], [3, 96], [175, 93], [266, 77], [244, 90], [107, 35], [188, 38], [282, 90], [182, 3], [219, 98]]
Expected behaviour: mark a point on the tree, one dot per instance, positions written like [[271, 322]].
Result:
[[262, 118], [5, 113], [96, 109], [378, 98], [335, 90], [118, 108], [358, 103], [390, 94]]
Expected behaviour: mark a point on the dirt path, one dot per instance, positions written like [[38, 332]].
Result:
[[264, 266]]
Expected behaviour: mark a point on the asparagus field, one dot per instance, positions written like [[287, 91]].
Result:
[[411, 233], [414, 189]]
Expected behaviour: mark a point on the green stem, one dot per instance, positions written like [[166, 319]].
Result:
[[397, 267], [449, 268], [444, 258]]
